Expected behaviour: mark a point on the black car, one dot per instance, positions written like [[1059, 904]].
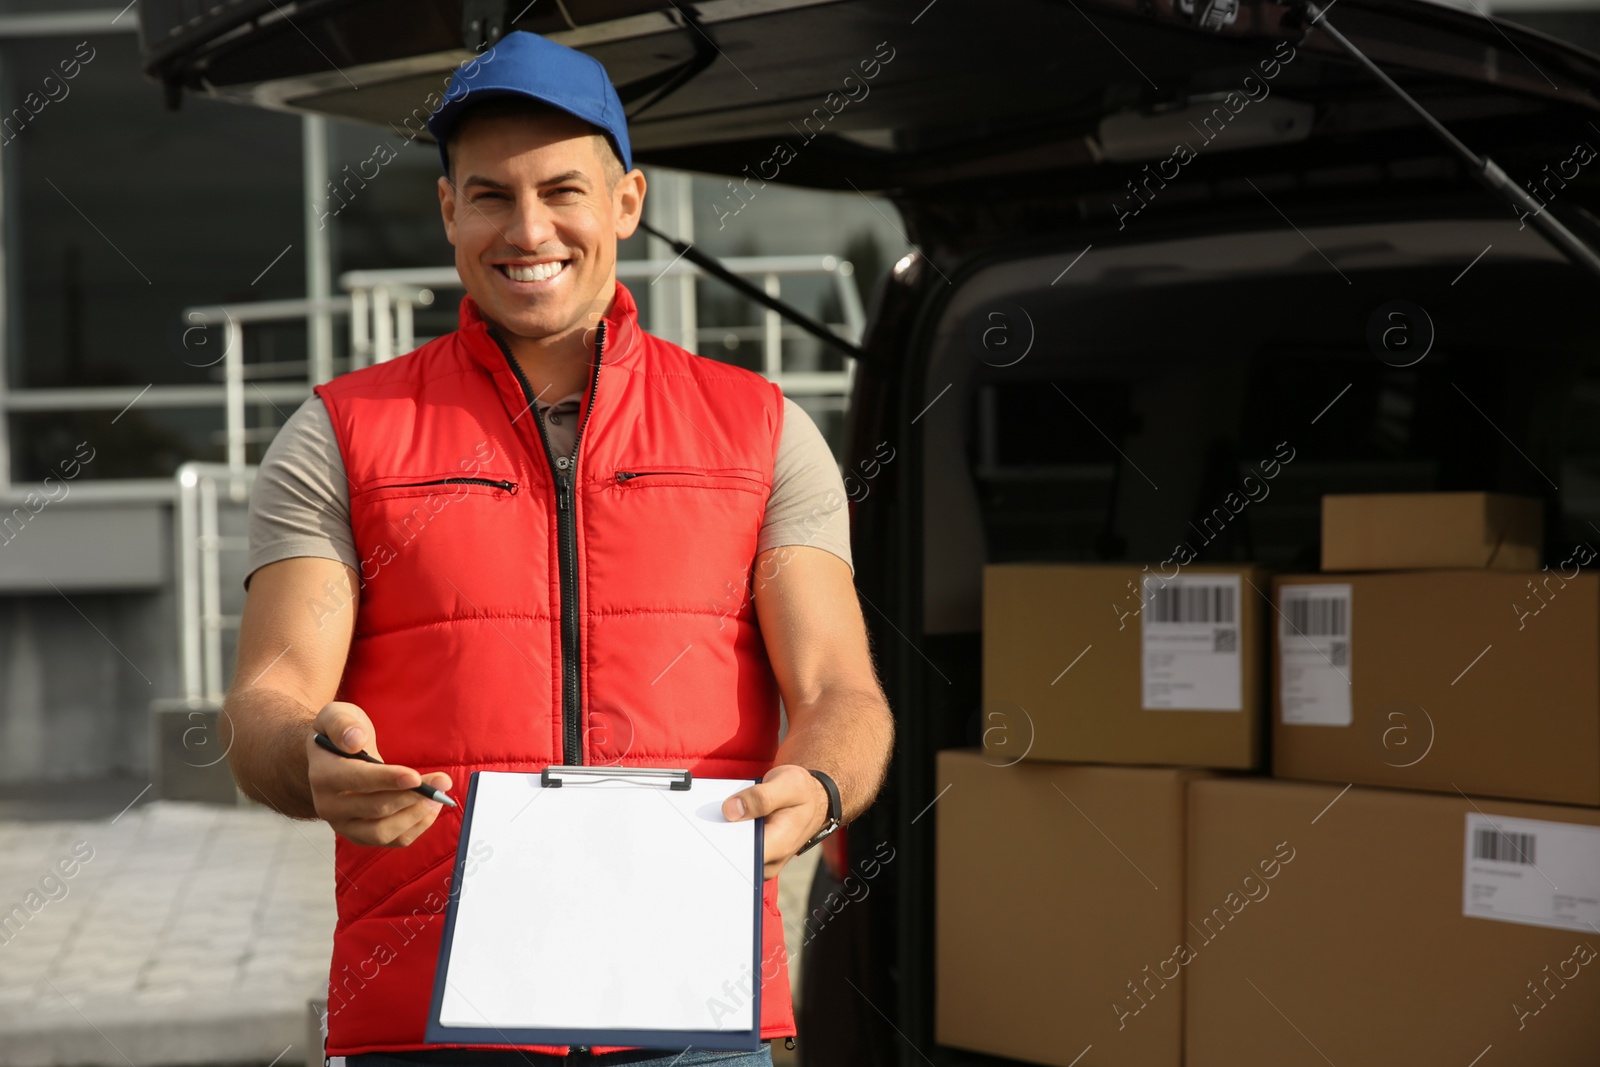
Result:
[[1157, 239]]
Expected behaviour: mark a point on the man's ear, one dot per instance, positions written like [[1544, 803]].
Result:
[[627, 200], [447, 208]]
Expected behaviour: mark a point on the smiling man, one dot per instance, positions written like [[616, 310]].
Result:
[[547, 537]]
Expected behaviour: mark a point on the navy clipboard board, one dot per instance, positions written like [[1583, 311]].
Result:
[[640, 946]]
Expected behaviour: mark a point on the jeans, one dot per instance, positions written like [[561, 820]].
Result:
[[502, 1058]]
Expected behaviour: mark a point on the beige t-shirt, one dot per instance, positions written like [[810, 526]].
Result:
[[300, 505]]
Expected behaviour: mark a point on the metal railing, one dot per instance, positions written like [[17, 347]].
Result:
[[383, 303], [380, 306], [200, 545], [233, 318]]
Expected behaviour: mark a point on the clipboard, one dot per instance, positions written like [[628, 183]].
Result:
[[602, 906]]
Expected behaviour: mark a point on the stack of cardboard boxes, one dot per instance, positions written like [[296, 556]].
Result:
[[1418, 881], [1109, 692]]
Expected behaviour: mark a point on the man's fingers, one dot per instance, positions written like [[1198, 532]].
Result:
[[336, 804], [363, 811], [348, 727], [330, 772], [784, 786], [396, 830], [346, 807], [762, 800], [788, 798], [749, 803], [368, 803]]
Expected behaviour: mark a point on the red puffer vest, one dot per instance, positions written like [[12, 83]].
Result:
[[517, 612]]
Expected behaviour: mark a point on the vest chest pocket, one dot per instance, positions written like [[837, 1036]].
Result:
[[452, 486], [636, 478], [683, 536], [403, 505], [417, 527]]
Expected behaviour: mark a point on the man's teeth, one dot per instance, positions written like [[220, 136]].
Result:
[[537, 273]]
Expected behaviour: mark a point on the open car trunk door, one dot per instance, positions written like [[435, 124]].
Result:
[[1070, 102], [902, 96]]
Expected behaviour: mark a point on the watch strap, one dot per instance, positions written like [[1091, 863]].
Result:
[[835, 805], [835, 810]]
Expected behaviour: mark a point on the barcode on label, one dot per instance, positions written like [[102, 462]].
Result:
[[1192, 603], [1500, 847], [1316, 616]]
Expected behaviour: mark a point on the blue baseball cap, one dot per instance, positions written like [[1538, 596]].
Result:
[[536, 68]]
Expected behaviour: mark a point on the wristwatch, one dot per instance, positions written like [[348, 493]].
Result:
[[835, 810]]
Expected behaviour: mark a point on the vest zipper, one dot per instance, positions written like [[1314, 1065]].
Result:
[[564, 469], [572, 714], [510, 487], [626, 476]]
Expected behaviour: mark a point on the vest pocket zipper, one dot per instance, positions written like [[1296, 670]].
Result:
[[624, 477], [510, 487]]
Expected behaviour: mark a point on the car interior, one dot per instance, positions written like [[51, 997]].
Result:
[[1115, 432], [1123, 399]]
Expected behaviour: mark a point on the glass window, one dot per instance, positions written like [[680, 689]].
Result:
[[118, 215]]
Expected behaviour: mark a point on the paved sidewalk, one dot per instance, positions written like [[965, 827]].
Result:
[[174, 933], [178, 933]]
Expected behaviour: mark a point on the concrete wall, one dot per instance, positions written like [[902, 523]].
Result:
[[89, 631], [76, 680]]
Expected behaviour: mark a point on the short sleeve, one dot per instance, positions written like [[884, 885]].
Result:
[[807, 504], [300, 503]]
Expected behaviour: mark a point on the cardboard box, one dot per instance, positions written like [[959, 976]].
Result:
[[1117, 663], [1418, 531], [1357, 949], [1482, 681], [1054, 886]]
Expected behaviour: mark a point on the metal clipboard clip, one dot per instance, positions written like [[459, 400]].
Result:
[[555, 777]]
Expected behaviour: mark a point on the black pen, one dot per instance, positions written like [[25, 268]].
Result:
[[324, 741]]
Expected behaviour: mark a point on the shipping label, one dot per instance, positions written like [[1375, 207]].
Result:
[[1190, 634], [1532, 871], [1314, 654]]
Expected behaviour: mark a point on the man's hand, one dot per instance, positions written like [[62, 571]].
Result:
[[369, 804], [795, 806], [839, 721]]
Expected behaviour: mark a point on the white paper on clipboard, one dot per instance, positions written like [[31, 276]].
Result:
[[608, 905]]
